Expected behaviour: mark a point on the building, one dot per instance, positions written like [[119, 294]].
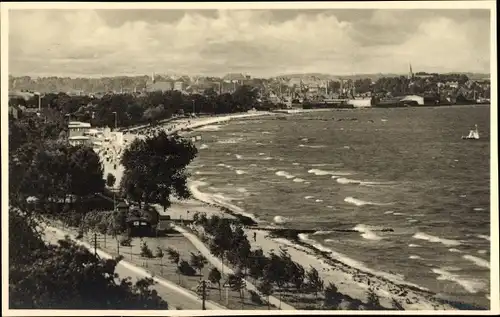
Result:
[[179, 85], [80, 140], [160, 86], [77, 128]]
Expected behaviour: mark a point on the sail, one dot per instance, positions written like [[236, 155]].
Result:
[[471, 134]]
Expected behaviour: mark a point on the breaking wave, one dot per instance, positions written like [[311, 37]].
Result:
[[359, 202], [284, 174], [434, 239], [469, 285], [477, 261]]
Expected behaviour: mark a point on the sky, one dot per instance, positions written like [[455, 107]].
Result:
[[260, 43]]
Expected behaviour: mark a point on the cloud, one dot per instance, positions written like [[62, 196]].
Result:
[[259, 42]]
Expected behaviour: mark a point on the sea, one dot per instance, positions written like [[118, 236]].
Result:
[[365, 170]]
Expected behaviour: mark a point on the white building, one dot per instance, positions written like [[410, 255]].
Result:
[[77, 128], [80, 140]]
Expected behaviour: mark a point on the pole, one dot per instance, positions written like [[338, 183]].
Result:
[[117, 245], [95, 243], [116, 120], [193, 107], [203, 295], [104, 239], [39, 103]]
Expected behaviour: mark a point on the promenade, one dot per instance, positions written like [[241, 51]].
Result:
[[176, 296]]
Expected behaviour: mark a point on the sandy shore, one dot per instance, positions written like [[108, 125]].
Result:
[[350, 279]]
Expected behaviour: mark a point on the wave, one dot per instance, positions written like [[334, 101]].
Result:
[[267, 158], [239, 157], [434, 239], [359, 202], [411, 245], [253, 165], [240, 172], [322, 232], [353, 263], [414, 257], [284, 174], [218, 200], [366, 232], [319, 200], [209, 128], [298, 180], [203, 146], [308, 197], [482, 236], [482, 251], [479, 209], [313, 146], [280, 220], [343, 180], [260, 154], [319, 172], [469, 285], [477, 261], [230, 141], [388, 212], [455, 250], [295, 163]]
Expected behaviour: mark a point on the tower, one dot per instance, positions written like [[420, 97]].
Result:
[[410, 74]]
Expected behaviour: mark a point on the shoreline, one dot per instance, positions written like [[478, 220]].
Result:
[[357, 281]]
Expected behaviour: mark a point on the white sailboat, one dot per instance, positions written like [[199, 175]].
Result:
[[473, 135]]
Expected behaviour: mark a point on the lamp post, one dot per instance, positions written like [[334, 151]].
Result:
[[116, 120]]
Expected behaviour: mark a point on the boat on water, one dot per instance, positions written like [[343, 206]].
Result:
[[473, 135]]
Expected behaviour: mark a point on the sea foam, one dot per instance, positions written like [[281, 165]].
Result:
[[359, 202], [319, 172], [366, 232], [469, 285], [477, 261], [434, 239], [284, 174]]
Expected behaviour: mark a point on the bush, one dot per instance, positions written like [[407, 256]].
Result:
[[159, 252], [255, 298], [146, 251], [186, 269], [125, 241]]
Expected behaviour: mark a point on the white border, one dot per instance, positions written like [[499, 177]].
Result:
[[491, 5]]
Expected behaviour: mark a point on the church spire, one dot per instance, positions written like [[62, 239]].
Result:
[[410, 75]]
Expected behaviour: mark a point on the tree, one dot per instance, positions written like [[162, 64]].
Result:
[[146, 251], [159, 254], [315, 283], [81, 280], [110, 180], [198, 261], [373, 302], [156, 167], [332, 297], [214, 276], [174, 258], [237, 284], [266, 289]]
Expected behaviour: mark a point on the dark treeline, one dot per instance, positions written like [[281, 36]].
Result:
[[132, 109], [49, 179]]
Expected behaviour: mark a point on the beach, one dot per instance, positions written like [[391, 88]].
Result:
[[351, 278]]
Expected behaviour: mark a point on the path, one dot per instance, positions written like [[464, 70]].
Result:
[[217, 263], [174, 295]]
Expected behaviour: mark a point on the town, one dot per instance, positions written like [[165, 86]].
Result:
[[308, 90]]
